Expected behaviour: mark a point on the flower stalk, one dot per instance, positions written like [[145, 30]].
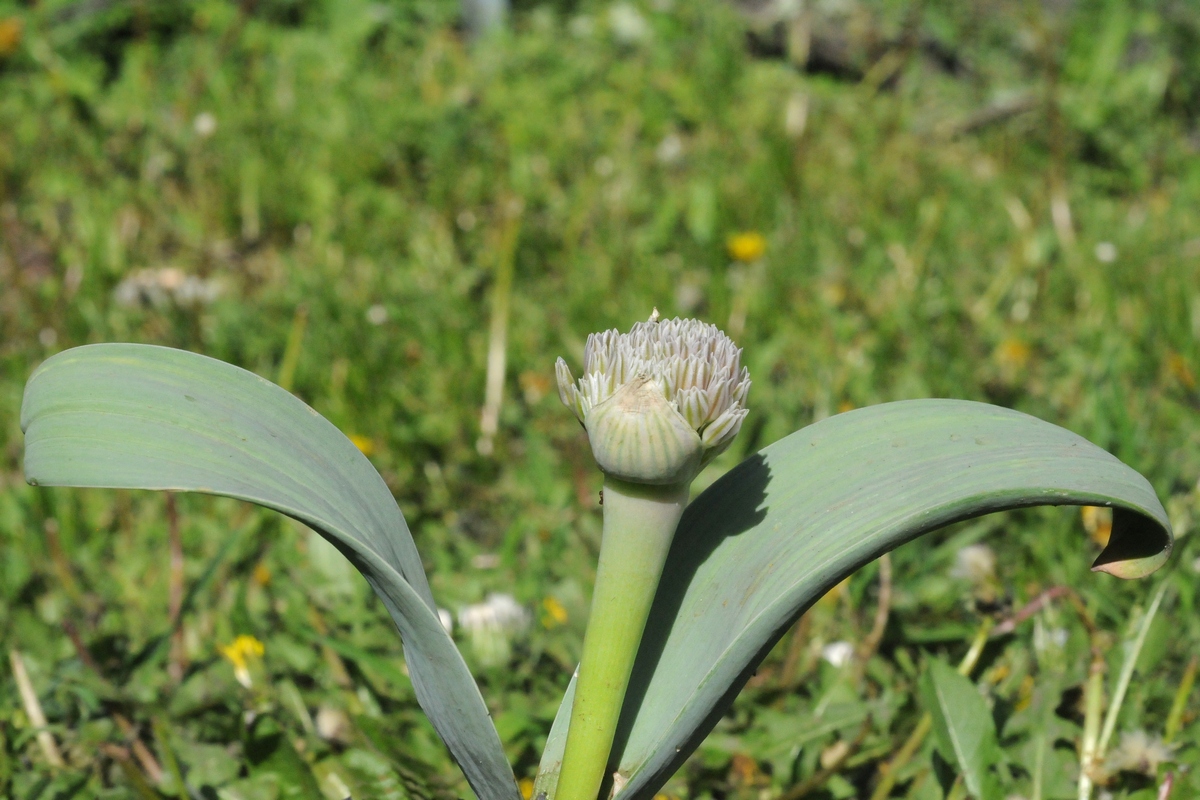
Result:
[[639, 523]]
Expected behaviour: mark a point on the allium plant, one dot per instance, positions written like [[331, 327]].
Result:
[[658, 403], [689, 596]]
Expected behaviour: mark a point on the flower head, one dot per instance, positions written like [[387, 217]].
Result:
[[1138, 752], [746, 247], [838, 653], [242, 652], [556, 612], [975, 563], [10, 35], [161, 287], [363, 443], [491, 627], [1097, 521], [660, 401]]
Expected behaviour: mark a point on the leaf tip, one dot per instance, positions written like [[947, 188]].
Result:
[[1139, 545]]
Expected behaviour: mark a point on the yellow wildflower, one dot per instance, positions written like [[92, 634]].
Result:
[[744, 771], [747, 246], [364, 445], [10, 35], [1178, 367], [1097, 521], [556, 614], [241, 652], [830, 598], [261, 574], [526, 787], [1013, 353]]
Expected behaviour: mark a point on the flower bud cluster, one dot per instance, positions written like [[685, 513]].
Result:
[[660, 401]]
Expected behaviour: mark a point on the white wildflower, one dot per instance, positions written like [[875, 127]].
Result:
[[162, 287], [627, 24], [670, 149], [1106, 252], [838, 653], [332, 724], [205, 124], [1138, 752], [975, 563], [377, 314], [492, 626]]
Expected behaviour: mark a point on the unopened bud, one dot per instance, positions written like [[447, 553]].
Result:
[[659, 402]]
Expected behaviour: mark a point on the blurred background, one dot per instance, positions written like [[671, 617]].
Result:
[[403, 211]]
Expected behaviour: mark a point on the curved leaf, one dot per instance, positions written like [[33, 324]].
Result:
[[142, 417], [774, 534]]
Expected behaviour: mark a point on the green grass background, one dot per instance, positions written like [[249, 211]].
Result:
[[355, 176]]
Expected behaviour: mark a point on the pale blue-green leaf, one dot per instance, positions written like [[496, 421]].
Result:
[[142, 417], [556, 743], [774, 534], [963, 728]]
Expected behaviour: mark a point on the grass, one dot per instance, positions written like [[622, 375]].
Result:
[[358, 182]]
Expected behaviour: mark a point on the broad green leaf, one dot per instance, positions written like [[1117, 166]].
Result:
[[271, 755], [766, 540], [420, 781], [141, 417], [361, 775], [256, 787], [207, 764], [963, 727]]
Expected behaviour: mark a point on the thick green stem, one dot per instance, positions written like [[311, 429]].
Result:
[[639, 523]]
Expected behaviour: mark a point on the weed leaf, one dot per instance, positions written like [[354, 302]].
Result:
[[963, 725]]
